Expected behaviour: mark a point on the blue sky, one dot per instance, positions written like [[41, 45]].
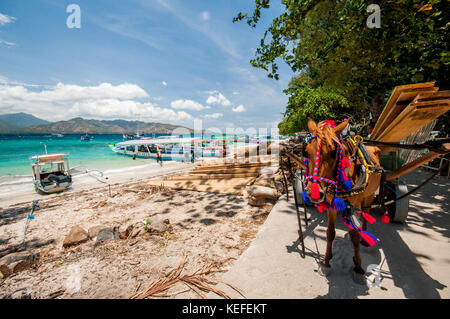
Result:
[[166, 61]]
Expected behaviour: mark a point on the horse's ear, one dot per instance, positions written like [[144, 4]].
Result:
[[312, 126], [338, 129]]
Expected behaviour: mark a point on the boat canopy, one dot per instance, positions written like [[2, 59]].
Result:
[[158, 141], [49, 158]]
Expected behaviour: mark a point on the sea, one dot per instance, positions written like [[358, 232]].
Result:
[[16, 150]]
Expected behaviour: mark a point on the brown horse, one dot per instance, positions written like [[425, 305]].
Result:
[[328, 139]]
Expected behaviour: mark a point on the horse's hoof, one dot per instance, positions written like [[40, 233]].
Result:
[[359, 270], [324, 269], [359, 279]]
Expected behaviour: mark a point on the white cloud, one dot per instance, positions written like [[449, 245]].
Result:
[[164, 83], [5, 19], [218, 98], [213, 116], [205, 16], [238, 109], [105, 101], [187, 105], [8, 44]]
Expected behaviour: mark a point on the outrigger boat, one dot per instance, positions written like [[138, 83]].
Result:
[[172, 149], [51, 173]]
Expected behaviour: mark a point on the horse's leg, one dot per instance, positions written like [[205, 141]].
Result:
[[331, 233], [355, 237]]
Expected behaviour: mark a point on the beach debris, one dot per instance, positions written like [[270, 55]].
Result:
[[93, 231], [106, 234], [76, 236], [29, 217], [197, 282], [262, 195], [125, 230], [22, 293], [56, 293], [18, 261], [156, 225]]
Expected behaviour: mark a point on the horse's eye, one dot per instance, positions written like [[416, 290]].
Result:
[[304, 153], [333, 153]]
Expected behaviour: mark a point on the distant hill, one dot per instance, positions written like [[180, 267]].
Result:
[[22, 119], [80, 125], [29, 124], [6, 127]]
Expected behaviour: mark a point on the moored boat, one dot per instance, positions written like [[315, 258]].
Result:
[[51, 173]]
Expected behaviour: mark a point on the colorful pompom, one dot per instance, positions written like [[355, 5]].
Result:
[[306, 198], [385, 218], [338, 204]]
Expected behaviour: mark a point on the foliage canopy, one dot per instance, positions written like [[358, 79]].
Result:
[[330, 45]]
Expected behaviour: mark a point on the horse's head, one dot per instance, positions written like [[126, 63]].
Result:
[[321, 152]]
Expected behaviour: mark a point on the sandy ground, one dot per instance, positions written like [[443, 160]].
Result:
[[208, 227]]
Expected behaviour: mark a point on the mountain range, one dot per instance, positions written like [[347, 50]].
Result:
[[23, 123]]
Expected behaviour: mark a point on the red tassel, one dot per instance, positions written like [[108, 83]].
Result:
[[345, 162], [315, 191], [368, 239], [321, 207], [370, 219], [385, 218]]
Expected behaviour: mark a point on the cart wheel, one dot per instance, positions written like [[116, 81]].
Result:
[[299, 188], [398, 211]]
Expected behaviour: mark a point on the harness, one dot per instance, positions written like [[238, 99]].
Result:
[[342, 187]]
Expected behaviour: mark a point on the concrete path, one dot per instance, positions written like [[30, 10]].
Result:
[[414, 257]]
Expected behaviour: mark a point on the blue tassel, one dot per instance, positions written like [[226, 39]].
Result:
[[338, 204], [306, 198], [347, 185]]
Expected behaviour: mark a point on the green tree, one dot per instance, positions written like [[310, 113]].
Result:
[[329, 43], [318, 104]]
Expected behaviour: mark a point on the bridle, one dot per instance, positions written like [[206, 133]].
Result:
[[341, 176]]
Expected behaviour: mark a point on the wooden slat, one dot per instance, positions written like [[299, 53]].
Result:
[[440, 95], [426, 104], [399, 105], [210, 176], [412, 165], [414, 119], [381, 122], [227, 171]]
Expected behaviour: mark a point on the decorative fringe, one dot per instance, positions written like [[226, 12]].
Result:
[[315, 190], [338, 204], [321, 207], [385, 218], [370, 219], [345, 163], [347, 222], [306, 198], [367, 237], [370, 239]]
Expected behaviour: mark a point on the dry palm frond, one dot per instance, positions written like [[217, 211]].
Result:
[[198, 282]]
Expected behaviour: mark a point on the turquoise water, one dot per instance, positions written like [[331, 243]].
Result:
[[15, 151]]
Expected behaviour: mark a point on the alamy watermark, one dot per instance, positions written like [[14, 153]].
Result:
[[374, 20], [74, 19]]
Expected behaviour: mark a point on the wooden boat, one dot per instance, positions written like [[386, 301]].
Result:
[[51, 173]]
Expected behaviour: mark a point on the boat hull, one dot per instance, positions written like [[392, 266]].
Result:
[[184, 157]]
